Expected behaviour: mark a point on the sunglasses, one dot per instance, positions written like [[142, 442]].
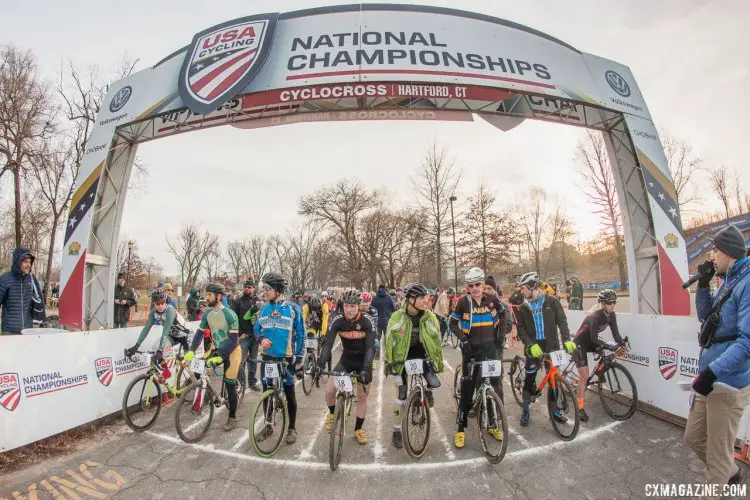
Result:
[[267, 288], [160, 303], [475, 285], [609, 303]]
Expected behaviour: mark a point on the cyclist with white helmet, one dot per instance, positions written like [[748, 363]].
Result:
[[474, 322], [601, 317], [539, 319]]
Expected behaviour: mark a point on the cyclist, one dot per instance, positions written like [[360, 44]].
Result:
[[413, 332], [174, 328], [357, 333], [539, 319], [315, 315], [167, 287], [225, 342], [601, 316], [280, 330], [474, 322], [366, 307], [246, 308]]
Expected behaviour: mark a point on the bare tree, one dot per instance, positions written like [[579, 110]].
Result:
[[236, 257], [213, 265], [599, 186], [302, 243], [533, 213], [739, 195], [683, 165], [26, 118], [406, 232], [191, 248], [720, 184], [435, 182], [561, 230], [257, 256]]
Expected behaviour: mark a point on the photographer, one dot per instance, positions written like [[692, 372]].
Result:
[[725, 358]]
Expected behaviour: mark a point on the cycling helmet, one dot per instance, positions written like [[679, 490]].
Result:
[[158, 295], [573, 278], [314, 303], [216, 288], [451, 291], [275, 281], [608, 296], [531, 280], [474, 275], [324, 294], [351, 297], [366, 298], [202, 303], [415, 290], [167, 286]]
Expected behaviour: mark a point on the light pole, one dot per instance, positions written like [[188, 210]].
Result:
[[455, 259], [127, 274]]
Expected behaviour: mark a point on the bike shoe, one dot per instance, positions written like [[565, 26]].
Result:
[[329, 421], [525, 418], [255, 386], [583, 415], [231, 424], [291, 436], [559, 417], [397, 439], [266, 433], [496, 433], [360, 436], [459, 440]]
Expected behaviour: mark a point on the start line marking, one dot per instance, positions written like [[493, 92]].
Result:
[[391, 467]]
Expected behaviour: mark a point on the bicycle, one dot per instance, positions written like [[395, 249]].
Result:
[[270, 410], [450, 337], [147, 388], [344, 383], [516, 375], [200, 397], [609, 384], [561, 398], [489, 409], [417, 410], [313, 348]]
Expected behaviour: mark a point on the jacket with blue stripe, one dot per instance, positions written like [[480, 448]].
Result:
[[281, 322]]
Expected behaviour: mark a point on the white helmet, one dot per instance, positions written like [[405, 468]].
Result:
[[474, 275], [324, 294], [531, 280]]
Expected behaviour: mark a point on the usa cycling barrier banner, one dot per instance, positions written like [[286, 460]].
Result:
[[372, 62], [53, 383], [664, 351]]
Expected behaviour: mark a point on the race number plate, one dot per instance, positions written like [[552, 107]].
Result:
[[414, 366], [198, 365], [492, 368], [311, 343], [146, 359], [343, 383], [559, 358], [271, 370]]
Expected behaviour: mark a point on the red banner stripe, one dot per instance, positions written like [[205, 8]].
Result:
[[230, 80], [197, 86]]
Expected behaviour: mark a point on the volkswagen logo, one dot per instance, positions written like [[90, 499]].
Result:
[[121, 99], [617, 83]]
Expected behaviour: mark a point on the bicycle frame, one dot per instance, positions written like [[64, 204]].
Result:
[[552, 370], [602, 362], [480, 392]]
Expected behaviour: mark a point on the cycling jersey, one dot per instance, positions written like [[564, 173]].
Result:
[[477, 321], [172, 323], [224, 330], [407, 340], [587, 336], [357, 341], [281, 322], [316, 319]]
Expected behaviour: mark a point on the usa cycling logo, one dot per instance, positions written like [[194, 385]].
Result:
[[667, 362], [223, 59], [104, 370], [120, 99], [617, 83], [10, 391]]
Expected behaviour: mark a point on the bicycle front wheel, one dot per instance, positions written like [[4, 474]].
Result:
[[269, 423], [336, 438], [563, 410], [141, 402], [457, 385], [454, 340], [416, 425], [308, 362], [617, 392], [517, 374], [493, 427], [195, 412]]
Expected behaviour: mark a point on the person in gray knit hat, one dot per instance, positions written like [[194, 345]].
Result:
[[730, 241]]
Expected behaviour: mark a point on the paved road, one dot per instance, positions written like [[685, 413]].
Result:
[[608, 459]]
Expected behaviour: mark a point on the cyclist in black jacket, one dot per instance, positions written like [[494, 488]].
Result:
[[587, 340]]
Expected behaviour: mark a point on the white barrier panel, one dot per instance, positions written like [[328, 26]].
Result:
[[52, 383], [664, 351]]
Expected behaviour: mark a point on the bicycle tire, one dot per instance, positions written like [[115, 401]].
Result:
[[276, 403], [566, 403], [148, 380], [337, 431], [416, 403], [457, 385], [493, 458], [516, 376], [183, 380], [307, 378], [188, 398], [454, 340], [605, 399]]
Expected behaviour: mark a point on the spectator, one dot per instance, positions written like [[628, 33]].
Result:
[[576, 295], [124, 300], [399, 297], [246, 308], [192, 305], [505, 324], [724, 358], [442, 310], [20, 296], [167, 287], [383, 303]]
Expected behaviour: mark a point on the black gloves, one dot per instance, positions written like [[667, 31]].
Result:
[[129, 353], [158, 357], [704, 382], [706, 271], [365, 376]]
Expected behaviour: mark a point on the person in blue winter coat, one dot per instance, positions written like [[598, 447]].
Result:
[[20, 295], [385, 306], [722, 386]]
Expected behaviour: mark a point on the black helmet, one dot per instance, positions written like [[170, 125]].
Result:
[[415, 290], [216, 288], [158, 295], [352, 296], [314, 303], [608, 296], [275, 281]]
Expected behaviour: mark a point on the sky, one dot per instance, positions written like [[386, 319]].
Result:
[[689, 58]]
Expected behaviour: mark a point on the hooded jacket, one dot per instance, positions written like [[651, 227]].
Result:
[[385, 306], [19, 296], [192, 304]]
